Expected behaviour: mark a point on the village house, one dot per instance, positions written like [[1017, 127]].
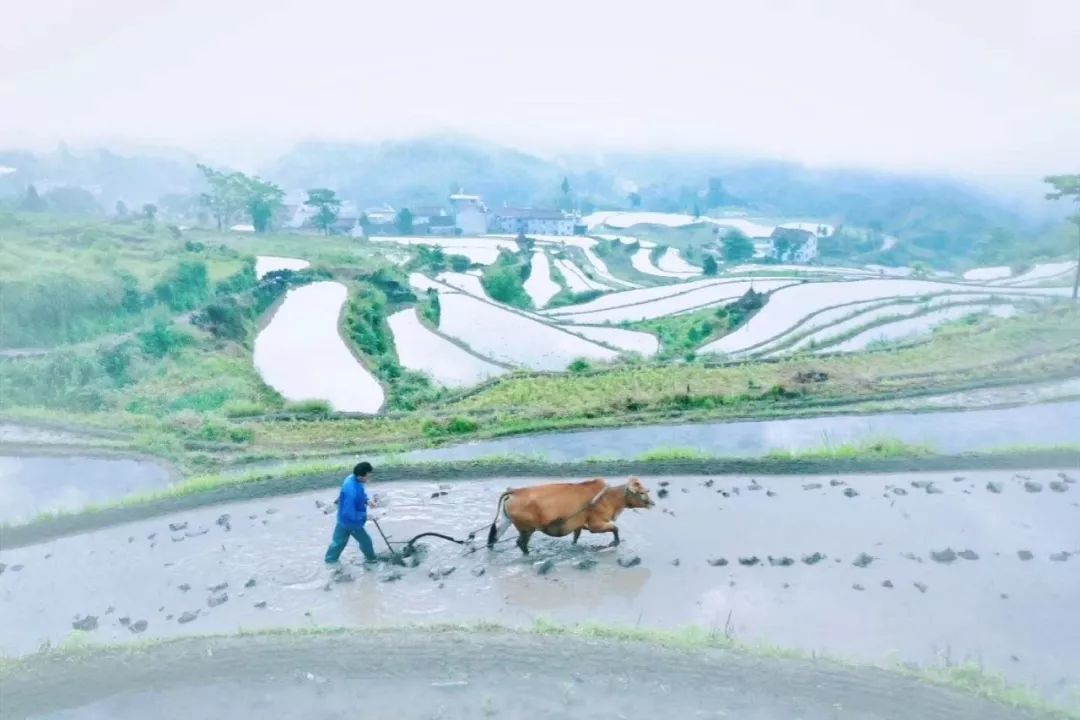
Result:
[[470, 214], [791, 245], [531, 222]]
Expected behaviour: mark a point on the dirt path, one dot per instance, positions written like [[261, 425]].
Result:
[[456, 674]]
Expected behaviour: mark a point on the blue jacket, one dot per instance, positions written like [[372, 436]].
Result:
[[352, 504]]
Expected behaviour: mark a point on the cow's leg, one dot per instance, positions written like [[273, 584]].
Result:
[[604, 527], [577, 534], [498, 529], [523, 541]]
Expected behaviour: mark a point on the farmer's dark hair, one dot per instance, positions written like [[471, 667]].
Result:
[[362, 469]]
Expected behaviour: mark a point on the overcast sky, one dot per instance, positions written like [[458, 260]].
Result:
[[964, 86]]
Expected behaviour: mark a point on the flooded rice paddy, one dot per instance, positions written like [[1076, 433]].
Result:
[[30, 485], [927, 568], [946, 432]]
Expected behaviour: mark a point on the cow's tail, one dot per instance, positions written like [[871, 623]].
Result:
[[500, 509]]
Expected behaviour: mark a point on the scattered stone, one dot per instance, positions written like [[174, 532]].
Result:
[[755, 486], [812, 486], [138, 626], [813, 559], [787, 585], [735, 490], [1004, 596], [958, 478], [1024, 555], [1061, 556], [178, 538], [911, 556], [921, 586], [629, 562], [933, 489], [393, 575], [196, 533], [725, 493], [1066, 478], [169, 617], [921, 484], [887, 584], [943, 556], [223, 520], [439, 572], [858, 587], [968, 554], [479, 571], [219, 587], [662, 492], [261, 604], [215, 600], [863, 560], [187, 616], [177, 526], [544, 566], [151, 536], [1058, 486], [851, 492], [782, 561], [675, 562], [770, 493], [995, 487], [17, 567], [340, 576], [125, 621], [717, 562], [320, 504], [1032, 487], [131, 539], [585, 563], [1014, 658], [708, 483], [271, 511], [86, 624], [184, 587], [749, 561], [836, 483], [664, 483], [438, 493], [250, 583], [899, 491]]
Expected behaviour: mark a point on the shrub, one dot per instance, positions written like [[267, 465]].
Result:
[[184, 287], [309, 407], [161, 339], [224, 319]]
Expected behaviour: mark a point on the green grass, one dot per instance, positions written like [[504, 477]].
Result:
[[672, 453], [881, 448]]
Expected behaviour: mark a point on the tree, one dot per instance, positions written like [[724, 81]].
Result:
[[31, 201], [226, 194], [737, 247], [717, 195], [365, 224], [121, 208], [149, 212], [327, 207], [635, 199], [403, 221], [72, 200], [262, 199], [697, 212], [565, 187], [709, 265], [1068, 186]]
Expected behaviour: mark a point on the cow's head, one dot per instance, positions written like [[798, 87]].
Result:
[[637, 495]]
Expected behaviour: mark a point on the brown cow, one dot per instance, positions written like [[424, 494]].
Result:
[[558, 509]]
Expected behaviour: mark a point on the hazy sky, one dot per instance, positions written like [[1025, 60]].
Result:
[[966, 86]]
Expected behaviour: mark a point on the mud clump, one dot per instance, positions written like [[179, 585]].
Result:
[[664, 483], [851, 492], [629, 562], [478, 571], [1061, 556], [749, 561], [86, 624], [858, 587], [184, 587], [968, 554], [585, 563], [178, 526], [438, 573], [391, 576], [899, 491], [995, 487], [138, 626], [812, 486], [958, 478], [887, 584], [223, 520], [836, 483], [544, 566], [811, 376], [933, 489], [187, 616], [215, 600], [219, 587], [717, 562], [863, 560], [782, 561], [943, 556], [662, 492], [261, 605], [675, 562], [813, 559], [921, 484], [1024, 555], [1032, 487], [341, 576], [250, 583], [125, 621], [1058, 486], [921, 587]]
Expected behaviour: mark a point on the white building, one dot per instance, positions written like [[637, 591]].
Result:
[[531, 222], [470, 214], [793, 245]]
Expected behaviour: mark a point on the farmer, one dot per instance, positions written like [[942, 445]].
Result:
[[352, 504]]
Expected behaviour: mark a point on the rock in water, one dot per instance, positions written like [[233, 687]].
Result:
[[223, 520], [921, 586], [968, 554], [858, 587], [138, 626], [187, 616], [1032, 487], [933, 489], [717, 562], [1061, 556], [629, 562], [813, 559], [392, 575], [675, 562], [479, 571], [863, 560], [544, 566], [812, 486], [218, 588], [943, 556], [184, 587], [851, 492], [1058, 486], [86, 624], [1024, 554], [178, 526], [886, 584], [215, 600], [921, 484], [585, 563], [250, 583], [261, 604], [125, 621], [995, 487], [749, 561], [899, 491], [836, 483], [662, 492], [783, 561]]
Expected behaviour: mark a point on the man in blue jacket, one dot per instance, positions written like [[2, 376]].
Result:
[[352, 505]]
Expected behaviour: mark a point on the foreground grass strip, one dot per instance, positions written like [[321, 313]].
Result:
[[966, 678], [879, 456]]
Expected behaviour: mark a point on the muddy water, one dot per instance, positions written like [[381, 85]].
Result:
[[31, 485], [947, 432], [1013, 615]]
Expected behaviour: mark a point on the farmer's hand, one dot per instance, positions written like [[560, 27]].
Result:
[[373, 501]]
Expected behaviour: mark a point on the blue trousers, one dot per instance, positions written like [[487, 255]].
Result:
[[341, 539]]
